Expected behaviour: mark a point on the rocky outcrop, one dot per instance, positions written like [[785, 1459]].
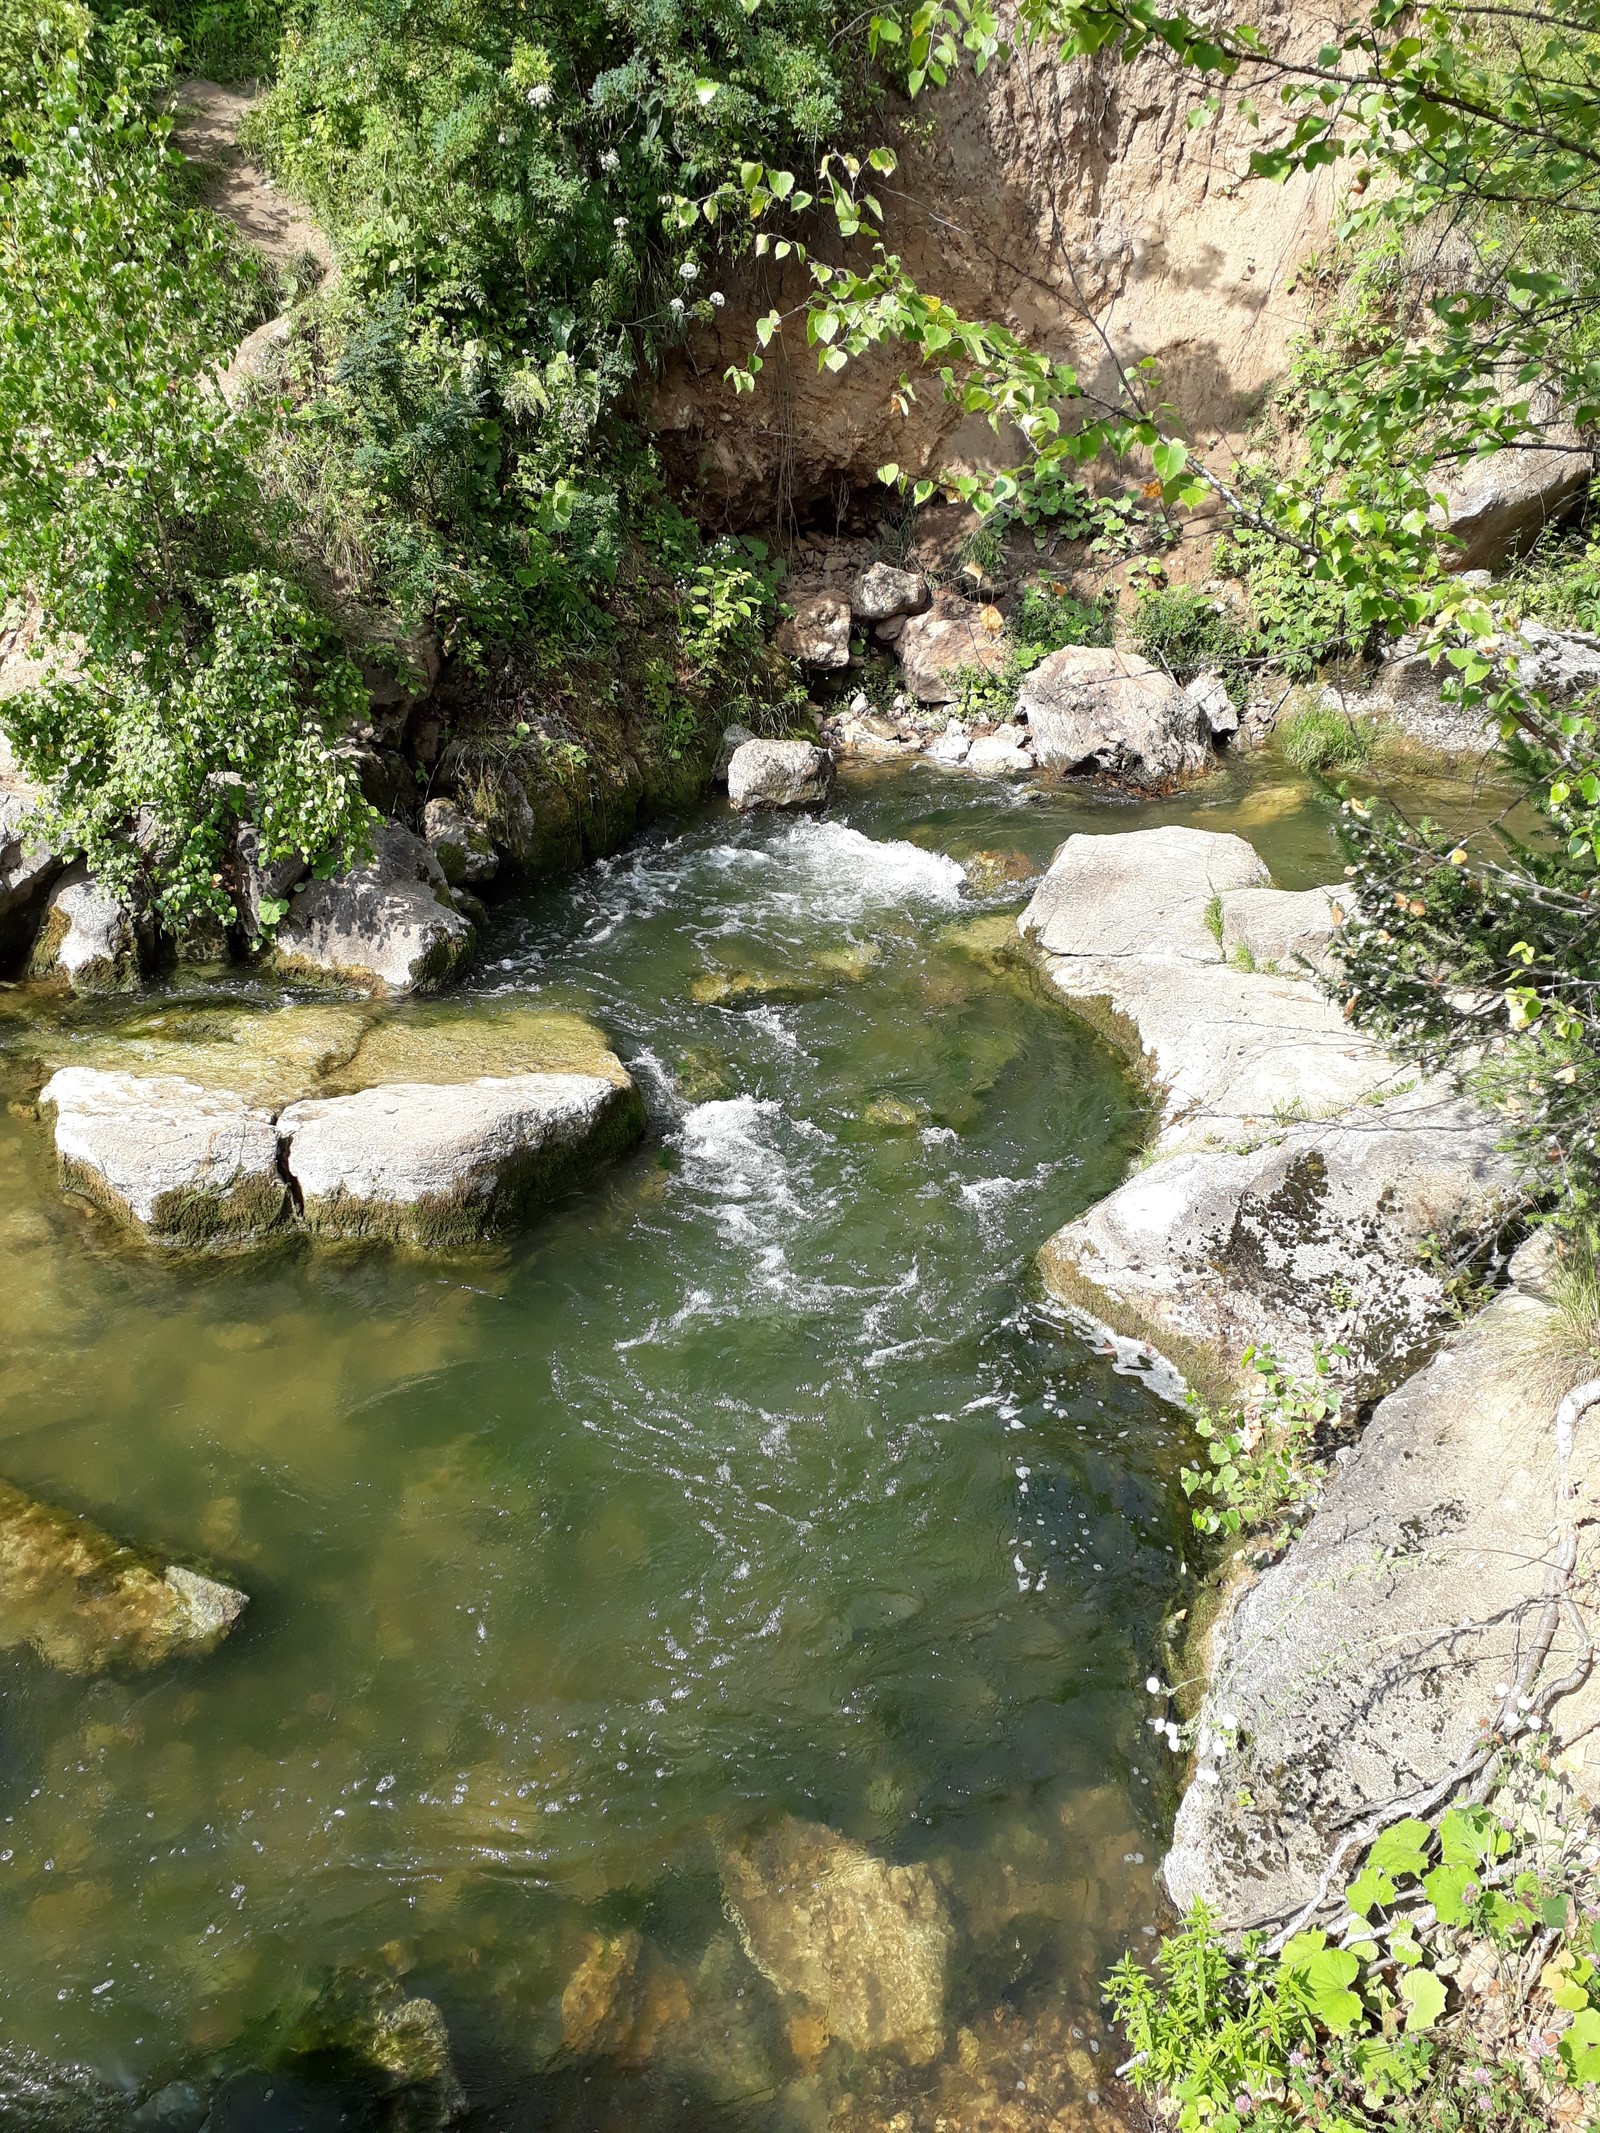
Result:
[[388, 925], [464, 849], [85, 1603], [818, 632], [1496, 507], [1306, 1189], [1073, 203], [779, 774], [1091, 707], [424, 1163], [90, 937], [858, 1948], [1361, 1668], [953, 637], [188, 1166]]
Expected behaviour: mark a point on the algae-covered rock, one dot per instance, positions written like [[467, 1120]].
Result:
[[458, 1040], [432, 1163], [184, 1164], [381, 2039], [744, 987], [857, 1946], [464, 849], [85, 1603], [388, 925], [90, 937], [622, 2000]]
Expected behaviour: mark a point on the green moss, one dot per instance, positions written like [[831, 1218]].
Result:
[[459, 1040]]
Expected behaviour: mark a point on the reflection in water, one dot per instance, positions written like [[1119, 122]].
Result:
[[748, 1486]]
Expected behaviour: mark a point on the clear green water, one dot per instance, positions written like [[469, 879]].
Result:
[[754, 1481]]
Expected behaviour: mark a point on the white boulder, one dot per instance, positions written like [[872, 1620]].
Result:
[[1002, 753], [464, 849], [89, 936], [427, 1163], [779, 774], [1094, 708], [389, 924], [186, 1165]]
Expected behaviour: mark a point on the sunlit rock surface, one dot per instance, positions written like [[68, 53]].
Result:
[[388, 924], [89, 936], [185, 1164], [85, 1603], [857, 1947], [429, 1163], [779, 774]]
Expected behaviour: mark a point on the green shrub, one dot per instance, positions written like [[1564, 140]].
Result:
[[1189, 633], [1049, 617], [1261, 1472], [1320, 739], [1301, 621]]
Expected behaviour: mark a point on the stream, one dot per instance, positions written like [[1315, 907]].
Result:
[[754, 1481]]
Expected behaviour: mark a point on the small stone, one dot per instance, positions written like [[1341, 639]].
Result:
[[90, 936], [1209, 695]]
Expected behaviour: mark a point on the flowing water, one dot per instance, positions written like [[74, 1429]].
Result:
[[755, 1481]]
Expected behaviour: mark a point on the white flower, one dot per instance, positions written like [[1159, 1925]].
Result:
[[610, 161], [717, 299], [619, 223], [1153, 1686], [676, 304], [688, 271], [539, 95]]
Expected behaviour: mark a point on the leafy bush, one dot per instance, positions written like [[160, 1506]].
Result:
[[1301, 621], [1318, 738], [1261, 1472], [1188, 633], [1049, 617], [1358, 2032]]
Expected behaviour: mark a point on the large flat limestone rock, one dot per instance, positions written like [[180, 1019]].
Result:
[[1360, 1667], [426, 1163], [85, 1603], [1305, 1188], [187, 1165]]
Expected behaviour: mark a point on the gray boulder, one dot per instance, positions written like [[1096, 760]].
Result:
[[85, 1603], [952, 638], [883, 592], [464, 849], [733, 737], [1360, 1668], [1003, 753], [257, 880], [27, 870], [818, 632], [1564, 663], [1091, 707], [425, 1163], [185, 1165], [1209, 695], [858, 1948], [90, 937], [389, 924], [1497, 506], [779, 774]]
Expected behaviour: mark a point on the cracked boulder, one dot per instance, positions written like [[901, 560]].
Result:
[[389, 925], [1359, 1668], [882, 592], [184, 1165], [85, 1603], [1094, 708], [430, 1163], [858, 1948]]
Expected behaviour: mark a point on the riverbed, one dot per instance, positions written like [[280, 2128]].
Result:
[[756, 1481]]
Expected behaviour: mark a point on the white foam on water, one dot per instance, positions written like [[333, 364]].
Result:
[[831, 874]]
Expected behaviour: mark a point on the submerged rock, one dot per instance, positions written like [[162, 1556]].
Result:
[[954, 637], [442, 1163], [1092, 707], [858, 1947], [89, 936], [464, 849], [779, 774], [85, 1603], [389, 924], [622, 2000], [784, 988], [186, 1165]]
